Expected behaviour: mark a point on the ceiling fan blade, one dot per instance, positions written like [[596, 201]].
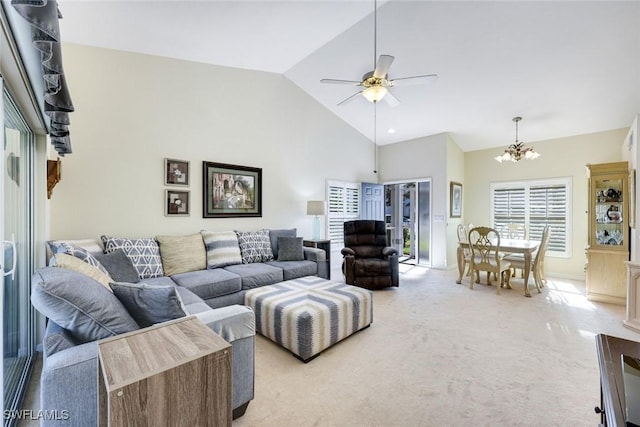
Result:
[[406, 81], [349, 99], [383, 65], [391, 100], [340, 82]]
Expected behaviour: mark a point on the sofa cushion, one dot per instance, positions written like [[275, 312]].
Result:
[[255, 246], [222, 248], [62, 247], [275, 234], [290, 249], [79, 304], [56, 338], [256, 274], [294, 269], [143, 253], [182, 253], [119, 266], [149, 304], [209, 283], [72, 263]]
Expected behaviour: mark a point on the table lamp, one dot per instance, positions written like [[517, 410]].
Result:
[[317, 208]]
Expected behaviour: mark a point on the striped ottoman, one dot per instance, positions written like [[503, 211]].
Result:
[[309, 314]]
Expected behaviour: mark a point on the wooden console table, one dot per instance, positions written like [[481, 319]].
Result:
[[176, 373], [612, 401]]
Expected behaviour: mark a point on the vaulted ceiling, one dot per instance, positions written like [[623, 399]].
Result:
[[567, 68]]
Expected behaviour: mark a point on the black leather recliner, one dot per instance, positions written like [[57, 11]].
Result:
[[367, 260]]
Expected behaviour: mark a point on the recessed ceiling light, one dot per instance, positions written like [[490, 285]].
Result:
[[391, 130]]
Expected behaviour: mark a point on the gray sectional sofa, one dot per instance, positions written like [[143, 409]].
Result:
[[92, 294]]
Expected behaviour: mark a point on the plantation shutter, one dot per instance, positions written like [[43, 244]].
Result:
[[535, 204], [548, 206], [343, 205]]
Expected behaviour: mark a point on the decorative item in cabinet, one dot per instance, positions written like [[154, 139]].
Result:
[[608, 248]]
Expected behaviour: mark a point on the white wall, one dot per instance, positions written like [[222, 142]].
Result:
[[559, 158], [134, 110], [422, 158]]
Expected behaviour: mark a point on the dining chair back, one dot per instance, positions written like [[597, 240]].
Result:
[[466, 251], [513, 231], [537, 264], [485, 256]]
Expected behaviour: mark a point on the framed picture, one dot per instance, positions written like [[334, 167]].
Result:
[[176, 172], [231, 190], [455, 199], [176, 203]]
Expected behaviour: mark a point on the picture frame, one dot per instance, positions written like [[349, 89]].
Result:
[[231, 190], [177, 203], [455, 199], [176, 172]]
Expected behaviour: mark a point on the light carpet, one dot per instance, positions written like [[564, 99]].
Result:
[[440, 354]]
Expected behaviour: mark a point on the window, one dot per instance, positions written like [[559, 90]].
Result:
[[536, 204], [343, 205]]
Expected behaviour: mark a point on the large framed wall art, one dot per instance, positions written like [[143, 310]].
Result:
[[231, 190]]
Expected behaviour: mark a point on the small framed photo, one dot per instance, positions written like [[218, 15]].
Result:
[[455, 199], [176, 172], [176, 203]]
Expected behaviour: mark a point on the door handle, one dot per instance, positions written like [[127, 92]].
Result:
[[14, 257]]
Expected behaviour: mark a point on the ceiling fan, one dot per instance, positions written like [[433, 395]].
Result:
[[375, 83]]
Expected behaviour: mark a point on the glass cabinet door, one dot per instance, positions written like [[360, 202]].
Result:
[[609, 203]]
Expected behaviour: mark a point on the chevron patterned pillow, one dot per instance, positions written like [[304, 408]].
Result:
[[255, 246]]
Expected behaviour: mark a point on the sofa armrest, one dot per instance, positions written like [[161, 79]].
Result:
[[387, 251], [348, 252], [69, 386], [314, 254], [232, 323]]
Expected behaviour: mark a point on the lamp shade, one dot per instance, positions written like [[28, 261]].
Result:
[[316, 207]]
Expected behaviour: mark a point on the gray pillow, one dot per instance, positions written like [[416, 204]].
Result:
[[273, 237], [119, 266], [79, 304], [149, 304], [290, 249]]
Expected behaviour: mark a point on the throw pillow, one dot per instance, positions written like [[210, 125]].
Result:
[[74, 264], [222, 248], [181, 254], [119, 266], [149, 304], [79, 304], [290, 249], [273, 237], [255, 246], [143, 253], [62, 247]]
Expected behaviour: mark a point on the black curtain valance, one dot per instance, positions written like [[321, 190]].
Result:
[[43, 15]]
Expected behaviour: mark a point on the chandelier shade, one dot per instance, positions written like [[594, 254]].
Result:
[[517, 151]]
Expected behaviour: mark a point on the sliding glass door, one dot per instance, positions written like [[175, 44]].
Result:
[[16, 231]]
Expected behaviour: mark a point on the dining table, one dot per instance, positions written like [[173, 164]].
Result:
[[510, 246]]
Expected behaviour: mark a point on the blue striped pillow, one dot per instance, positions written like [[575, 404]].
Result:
[[222, 248]]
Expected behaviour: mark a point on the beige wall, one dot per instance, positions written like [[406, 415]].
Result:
[[455, 173], [563, 157], [134, 110]]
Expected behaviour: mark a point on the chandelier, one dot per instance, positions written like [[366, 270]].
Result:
[[517, 151]]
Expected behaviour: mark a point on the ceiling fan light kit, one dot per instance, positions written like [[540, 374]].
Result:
[[377, 82], [517, 151]]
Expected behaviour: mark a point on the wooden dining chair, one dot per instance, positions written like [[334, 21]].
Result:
[[486, 256], [537, 264], [513, 231], [466, 251]]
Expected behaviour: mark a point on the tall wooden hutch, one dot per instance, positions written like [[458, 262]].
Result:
[[608, 248]]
